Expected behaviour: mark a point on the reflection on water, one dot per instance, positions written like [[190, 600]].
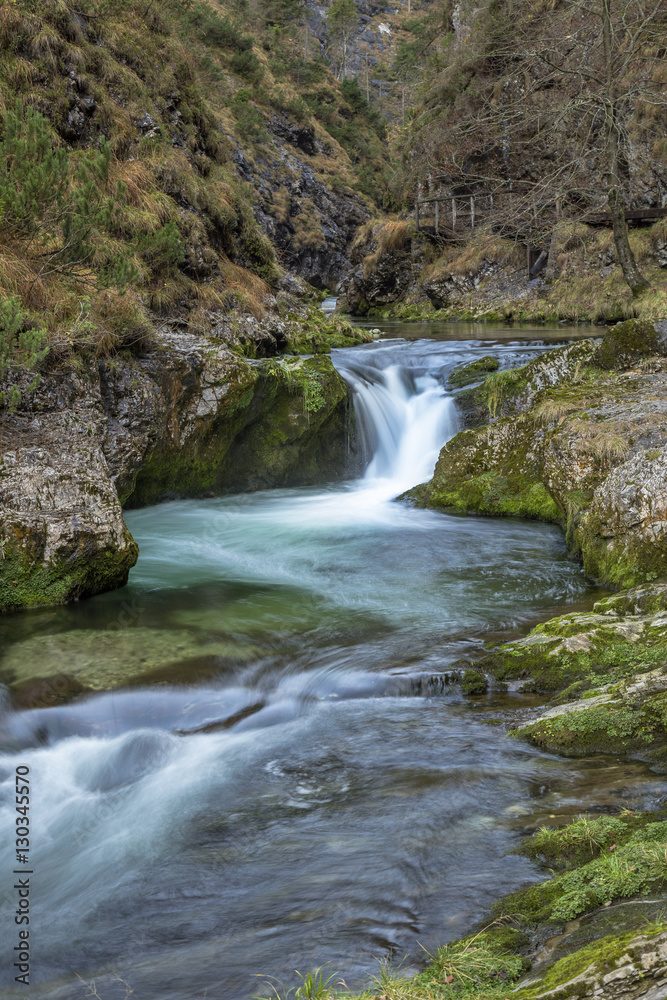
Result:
[[302, 786]]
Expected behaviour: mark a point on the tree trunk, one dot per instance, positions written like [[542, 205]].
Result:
[[633, 276]]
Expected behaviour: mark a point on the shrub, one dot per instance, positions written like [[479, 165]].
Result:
[[23, 347], [247, 65]]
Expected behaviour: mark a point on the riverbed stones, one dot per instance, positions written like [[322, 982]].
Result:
[[97, 660]]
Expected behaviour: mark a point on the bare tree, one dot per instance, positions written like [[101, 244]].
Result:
[[343, 21], [556, 98]]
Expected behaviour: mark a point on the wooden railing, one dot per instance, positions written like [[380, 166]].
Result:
[[474, 207]]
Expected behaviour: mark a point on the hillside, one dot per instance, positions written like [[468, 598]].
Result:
[[172, 160], [527, 110]]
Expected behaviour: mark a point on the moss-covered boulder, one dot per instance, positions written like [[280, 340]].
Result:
[[575, 444], [627, 343], [576, 652], [206, 420], [473, 372], [191, 416]]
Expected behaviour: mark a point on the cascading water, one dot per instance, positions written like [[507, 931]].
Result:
[[286, 796], [404, 420]]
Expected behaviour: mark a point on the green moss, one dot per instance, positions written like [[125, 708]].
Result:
[[626, 343], [472, 372], [474, 682], [284, 422], [26, 583], [611, 727], [498, 495], [602, 954], [320, 334]]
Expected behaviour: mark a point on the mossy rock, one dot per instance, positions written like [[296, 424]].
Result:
[[473, 372], [603, 725], [627, 343], [473, 682]]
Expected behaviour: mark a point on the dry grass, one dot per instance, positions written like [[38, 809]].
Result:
[[389, 237], [608, 442], [247, 289], [308, 232]]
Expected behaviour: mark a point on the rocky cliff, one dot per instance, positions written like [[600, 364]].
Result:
[[192, 416]]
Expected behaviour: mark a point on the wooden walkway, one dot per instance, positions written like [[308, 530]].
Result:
[[473, 207]]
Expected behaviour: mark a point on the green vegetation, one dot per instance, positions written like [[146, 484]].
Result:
[[23, 346], [602, 860], [473, 372]]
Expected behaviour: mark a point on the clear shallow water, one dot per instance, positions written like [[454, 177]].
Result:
[[314, 795]]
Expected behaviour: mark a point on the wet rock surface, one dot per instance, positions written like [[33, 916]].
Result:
[[191, 416], [570, 442]]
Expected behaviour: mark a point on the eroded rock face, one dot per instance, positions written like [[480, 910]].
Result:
[[312, 225], [385, 259], [191, 416], [61, 523], [575, 444]]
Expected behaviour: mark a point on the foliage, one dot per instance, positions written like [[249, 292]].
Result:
[[33, 175], [23, 346], [500, 385]]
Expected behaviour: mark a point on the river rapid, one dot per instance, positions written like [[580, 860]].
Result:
[[317, 794]]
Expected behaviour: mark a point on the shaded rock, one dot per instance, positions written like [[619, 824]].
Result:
[[191, 416]]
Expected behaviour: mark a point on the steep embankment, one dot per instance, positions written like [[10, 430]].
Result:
[[512, 130], [190, 416], [161, 166], [399, 273]]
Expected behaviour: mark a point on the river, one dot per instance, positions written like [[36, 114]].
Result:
[[301, 787]]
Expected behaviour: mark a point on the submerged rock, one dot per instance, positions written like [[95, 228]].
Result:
[[102, 660]]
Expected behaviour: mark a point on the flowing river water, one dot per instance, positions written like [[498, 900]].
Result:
[[305, 789]]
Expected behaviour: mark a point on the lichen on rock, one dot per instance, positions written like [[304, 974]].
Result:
[[570, 442]]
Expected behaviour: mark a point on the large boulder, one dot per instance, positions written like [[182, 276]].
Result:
[[574, 443], [190, 417]]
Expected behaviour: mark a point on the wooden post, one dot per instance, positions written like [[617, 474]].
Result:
[[559, 206], [528, 260], [417, 216], [453, 213], [437, 218], [472, 212]]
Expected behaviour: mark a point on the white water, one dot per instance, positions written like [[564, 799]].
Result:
[[404, 421], [341, 816]]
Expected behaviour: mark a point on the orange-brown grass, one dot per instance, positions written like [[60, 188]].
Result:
[[249, 289]]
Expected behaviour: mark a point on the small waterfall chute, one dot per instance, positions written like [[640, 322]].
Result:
[[404, 418]]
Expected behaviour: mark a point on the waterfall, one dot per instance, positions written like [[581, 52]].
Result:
[[404, 418]]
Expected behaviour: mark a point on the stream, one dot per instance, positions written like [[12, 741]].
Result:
[[304, 786]]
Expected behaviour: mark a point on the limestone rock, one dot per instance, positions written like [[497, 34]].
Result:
[[191, 416], [571, 442]]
